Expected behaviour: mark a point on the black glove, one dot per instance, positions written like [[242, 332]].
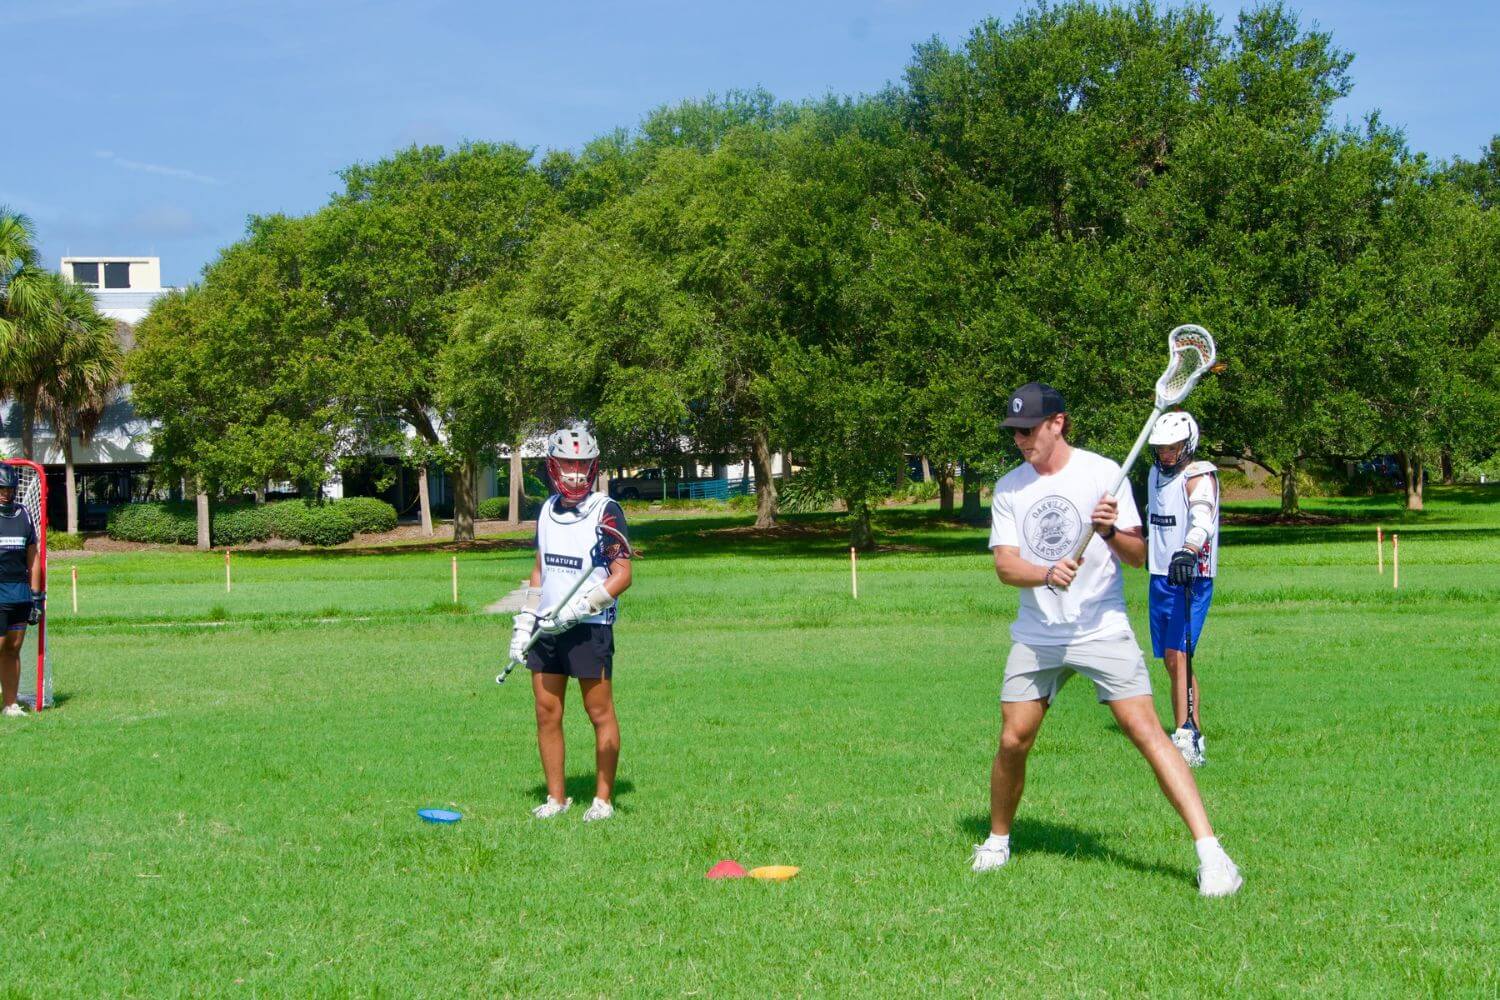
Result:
[[1183, 568], [38, 605]]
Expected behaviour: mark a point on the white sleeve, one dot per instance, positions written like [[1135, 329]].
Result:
[[1203, 512], [1128, 515], [1002, 520]]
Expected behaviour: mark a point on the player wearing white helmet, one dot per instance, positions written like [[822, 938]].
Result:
[[578, 637], [1182, 507]]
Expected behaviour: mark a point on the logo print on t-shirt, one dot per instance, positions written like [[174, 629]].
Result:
[[1053, 527]]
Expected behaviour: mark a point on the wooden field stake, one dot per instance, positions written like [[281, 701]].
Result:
[[854, 572], [75, 590], [455, 579], [228, 574], [1395, 560], [1379, 550]]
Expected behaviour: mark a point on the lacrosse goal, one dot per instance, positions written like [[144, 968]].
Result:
[[36, 684]]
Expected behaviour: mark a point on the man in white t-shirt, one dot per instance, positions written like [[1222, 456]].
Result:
[[1072, 619]]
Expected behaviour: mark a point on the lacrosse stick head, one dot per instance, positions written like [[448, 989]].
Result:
[[1192, 354], [612, 545]]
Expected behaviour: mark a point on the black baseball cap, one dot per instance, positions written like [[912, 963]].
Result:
[[1031, 404]]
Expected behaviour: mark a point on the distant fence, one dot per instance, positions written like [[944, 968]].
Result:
[[714, 489]]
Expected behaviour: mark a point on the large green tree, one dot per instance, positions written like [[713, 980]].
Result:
[[396, 252]]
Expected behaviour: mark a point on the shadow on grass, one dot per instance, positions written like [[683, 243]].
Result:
[[1031, 835], [580, 788]]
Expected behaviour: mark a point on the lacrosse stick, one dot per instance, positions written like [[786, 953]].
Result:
[[1192, 354], [612, 545]]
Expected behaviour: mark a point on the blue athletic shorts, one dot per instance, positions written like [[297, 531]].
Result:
[[1168, 627]]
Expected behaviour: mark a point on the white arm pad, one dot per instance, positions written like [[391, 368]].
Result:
[[1203, 512], [599, 599]]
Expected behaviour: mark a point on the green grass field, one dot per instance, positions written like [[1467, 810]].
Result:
[[224, 801]]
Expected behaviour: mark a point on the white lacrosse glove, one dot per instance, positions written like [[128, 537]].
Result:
[[525, 625], [580, 607]]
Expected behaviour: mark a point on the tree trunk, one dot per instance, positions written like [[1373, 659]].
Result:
[[28, 429], [861, 535], [926, 470], [901, 477], [765, 482], [1411, 469], [465, 492], [972, 511], [70, 484], [425, 499], [513, 512], [205, 533], [1445, 462], [945, 489], [1289, 503]]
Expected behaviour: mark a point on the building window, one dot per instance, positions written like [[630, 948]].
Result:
[[117, 275], [86, 275]]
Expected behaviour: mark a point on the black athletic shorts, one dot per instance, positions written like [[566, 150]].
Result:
[[584, 651], [15, 615]]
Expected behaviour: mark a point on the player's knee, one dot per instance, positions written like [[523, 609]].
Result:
[[1017, 741], [549, 713], [602, 715]]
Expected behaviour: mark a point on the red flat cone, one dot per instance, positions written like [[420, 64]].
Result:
[[726, 869]]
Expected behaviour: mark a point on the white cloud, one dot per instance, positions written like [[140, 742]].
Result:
[[157, 168]]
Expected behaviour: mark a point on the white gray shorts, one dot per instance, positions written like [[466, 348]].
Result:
[[1116, 666]]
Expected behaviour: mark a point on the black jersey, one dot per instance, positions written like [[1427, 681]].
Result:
[[17, 534]]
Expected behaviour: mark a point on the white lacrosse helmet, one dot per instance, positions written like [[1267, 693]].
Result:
[[578, 444], [1172, 428]]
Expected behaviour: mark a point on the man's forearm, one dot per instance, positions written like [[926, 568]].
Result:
[[1130, 546], [1017, 572]]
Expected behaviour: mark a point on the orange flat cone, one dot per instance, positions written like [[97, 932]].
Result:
[[726, 869]]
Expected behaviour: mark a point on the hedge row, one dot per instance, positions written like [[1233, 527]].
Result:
[[176, 522]]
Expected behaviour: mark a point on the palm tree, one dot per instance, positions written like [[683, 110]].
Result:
[[80, 379], [25, 301]]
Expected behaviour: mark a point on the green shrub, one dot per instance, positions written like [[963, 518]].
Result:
[[63, 541], [368, 513], [802, 494], [493, 509], [169, 523], [238, 524], [743, 502], [919, 491], [1234, 479], [309, 523]]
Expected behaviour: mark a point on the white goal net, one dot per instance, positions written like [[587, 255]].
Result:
[[36, 659]]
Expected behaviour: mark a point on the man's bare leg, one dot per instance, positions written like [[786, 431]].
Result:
[[1176, 661], [1137, 717], [1020, 723]]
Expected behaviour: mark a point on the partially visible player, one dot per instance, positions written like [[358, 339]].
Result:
[[578, 639], [22, 600], [1182, 505]]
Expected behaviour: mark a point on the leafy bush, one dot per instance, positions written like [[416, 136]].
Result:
[[368, 513], [309, 523], [742, 502], [920, 491], [62, 541], [170, 523], [238, 524], [801, 494], [493, 509]]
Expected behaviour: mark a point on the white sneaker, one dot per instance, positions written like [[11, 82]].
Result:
[[1189, 743], [988, 856], [599, 810], [551, 808], [1219, 877], [13, 711]]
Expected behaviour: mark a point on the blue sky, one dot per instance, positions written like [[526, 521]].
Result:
[[157, 126]]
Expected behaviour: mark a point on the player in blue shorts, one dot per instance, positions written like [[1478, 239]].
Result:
[[578, 638], [1182, 507], [21, 598]]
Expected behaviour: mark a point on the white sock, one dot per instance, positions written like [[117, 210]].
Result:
[[997, 842], [1208, 849]]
